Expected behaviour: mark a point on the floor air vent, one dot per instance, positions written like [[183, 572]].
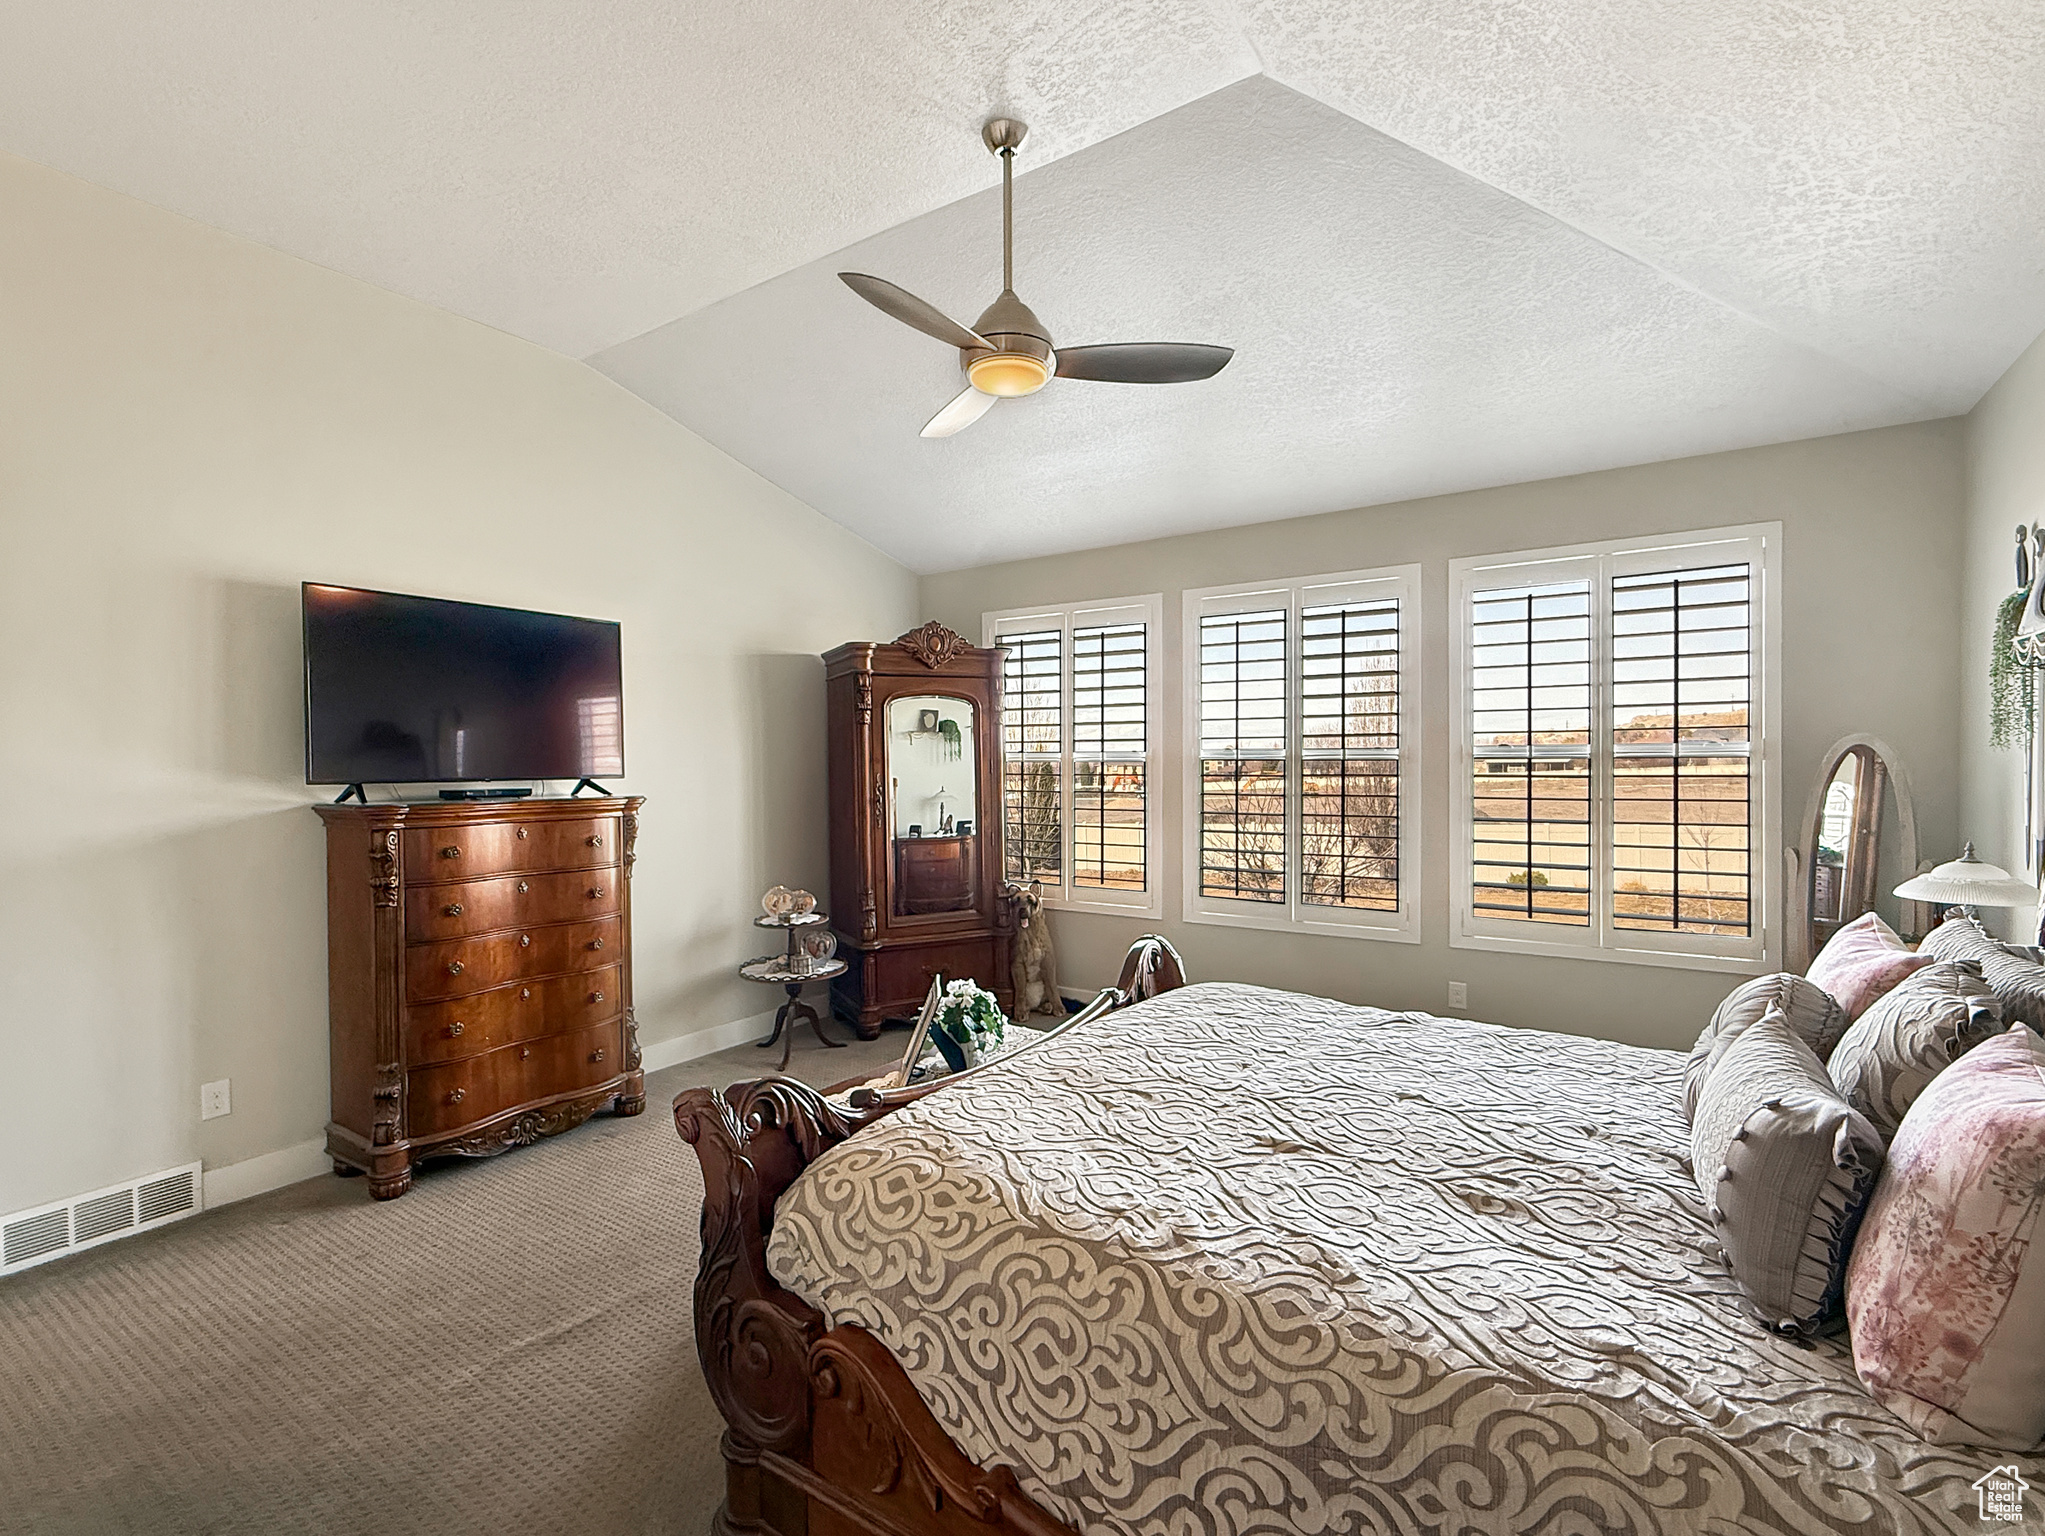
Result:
[[51, 1231]]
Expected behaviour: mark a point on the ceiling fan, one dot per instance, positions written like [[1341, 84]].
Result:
[[1008, 351]]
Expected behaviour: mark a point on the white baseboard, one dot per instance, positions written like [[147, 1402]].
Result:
[[661, 1054], [308, 1159], [273, 1170]]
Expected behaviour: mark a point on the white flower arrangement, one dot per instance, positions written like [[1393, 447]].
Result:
[[969, 1016]]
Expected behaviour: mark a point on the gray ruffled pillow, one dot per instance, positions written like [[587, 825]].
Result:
[[2018, 983], [1908, 1036], [1806, 1007], [1786, 1166]]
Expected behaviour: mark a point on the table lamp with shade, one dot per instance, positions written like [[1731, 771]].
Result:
[[1966, 883]]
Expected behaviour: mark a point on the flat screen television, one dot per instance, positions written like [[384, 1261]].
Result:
[[420, 690]]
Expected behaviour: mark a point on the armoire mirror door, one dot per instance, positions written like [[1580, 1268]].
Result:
[[933, 805]]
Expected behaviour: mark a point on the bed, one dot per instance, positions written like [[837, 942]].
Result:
[[1231, 1260]]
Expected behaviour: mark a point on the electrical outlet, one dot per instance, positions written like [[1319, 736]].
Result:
[[1459, 994], [213, 1100]]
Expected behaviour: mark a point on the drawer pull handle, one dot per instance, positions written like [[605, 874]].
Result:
[[524, 1052], [596, 943], [597, 1054], [451, 853], [521, 834], [455, 1028], [525, 941], [454, 967], [525, 992], [523, 887], [596, 893], [456, 1095], [596, 997], [453, 909], [596, 840]]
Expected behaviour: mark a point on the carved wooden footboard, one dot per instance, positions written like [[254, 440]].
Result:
[[825, 1433]]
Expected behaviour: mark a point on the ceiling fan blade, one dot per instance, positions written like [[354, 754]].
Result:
[[910, 310], [1143, 362], [966, 407]]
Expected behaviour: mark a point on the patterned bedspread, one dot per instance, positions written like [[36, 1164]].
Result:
[[1238, 1261]]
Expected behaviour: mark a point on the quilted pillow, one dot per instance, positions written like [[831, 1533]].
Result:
[[1806, 1007], [1945, 1297], [1862, 961], [2018, 983], [1909, 1036], [1786, 1166]]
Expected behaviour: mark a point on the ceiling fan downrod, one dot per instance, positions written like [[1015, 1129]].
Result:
[[1004, 136]]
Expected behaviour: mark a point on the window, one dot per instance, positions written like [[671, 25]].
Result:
[[1615, 750], [1301, 793], [1077, 718]]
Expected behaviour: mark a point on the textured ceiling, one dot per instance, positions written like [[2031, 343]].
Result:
[[1866, 177], [1403, 330], [1456, 242], [570, 172]]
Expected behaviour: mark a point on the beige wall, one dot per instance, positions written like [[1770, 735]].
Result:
[[189, 427], [2005, 477], [1871, 586]]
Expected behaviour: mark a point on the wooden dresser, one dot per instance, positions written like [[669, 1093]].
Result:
[[479, 973]]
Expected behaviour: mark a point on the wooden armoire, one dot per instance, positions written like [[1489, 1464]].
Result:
[[479, 969], [916, 862]]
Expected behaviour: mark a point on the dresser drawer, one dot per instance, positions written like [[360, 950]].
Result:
[[457, 967], [509, 1015], [509, 901], [434, 854], [458, 1093]]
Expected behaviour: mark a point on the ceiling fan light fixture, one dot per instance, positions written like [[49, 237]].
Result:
[[1009, 374], [1008, 352]]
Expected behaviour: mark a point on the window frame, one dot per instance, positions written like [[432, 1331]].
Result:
[[1758, 545], [1402, 926], [1147, 608]]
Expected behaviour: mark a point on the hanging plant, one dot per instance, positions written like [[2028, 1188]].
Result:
[[954, 744], [2012, 684]]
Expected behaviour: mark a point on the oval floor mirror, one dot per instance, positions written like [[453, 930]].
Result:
[[1859, 843]]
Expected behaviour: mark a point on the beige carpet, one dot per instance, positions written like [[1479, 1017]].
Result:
[[508, 1347]]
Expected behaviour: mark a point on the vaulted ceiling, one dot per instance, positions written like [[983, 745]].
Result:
[[1454, 243]]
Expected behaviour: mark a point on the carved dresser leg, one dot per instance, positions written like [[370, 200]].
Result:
[[392, 1187]]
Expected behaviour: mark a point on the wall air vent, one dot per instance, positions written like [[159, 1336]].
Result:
[[85, 1221]]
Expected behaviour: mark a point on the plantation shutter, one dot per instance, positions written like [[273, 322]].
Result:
[[1032, 746], [1682, 664], [1530, 735], [1243, 754], [1304, 752], [1616, 751], [1349, 754], [1110, 755]]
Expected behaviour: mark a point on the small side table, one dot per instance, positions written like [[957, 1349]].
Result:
[[793, 971]]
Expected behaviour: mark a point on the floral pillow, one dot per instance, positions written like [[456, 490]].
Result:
[[1944, 1296], [1862, 961]]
